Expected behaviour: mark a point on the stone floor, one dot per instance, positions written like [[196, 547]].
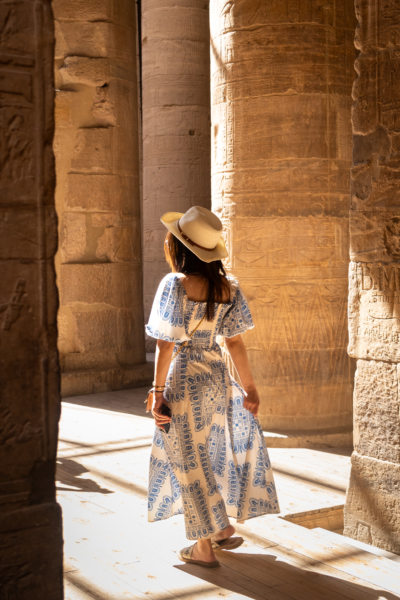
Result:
[[113, 553]]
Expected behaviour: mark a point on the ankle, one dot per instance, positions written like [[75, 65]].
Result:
[[204, 545], [222, 534]]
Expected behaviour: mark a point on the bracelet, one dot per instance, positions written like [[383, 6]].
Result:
[[158, 388]]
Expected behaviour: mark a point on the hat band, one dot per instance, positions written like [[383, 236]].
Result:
[[185, 237]]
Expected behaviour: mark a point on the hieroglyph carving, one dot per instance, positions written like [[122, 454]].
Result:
[[16, 160], [11, 310], [391, 237], [374, 311]]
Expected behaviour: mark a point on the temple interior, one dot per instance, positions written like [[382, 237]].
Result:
[[283, 117]]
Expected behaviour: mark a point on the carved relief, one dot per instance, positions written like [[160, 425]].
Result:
[[374, 311], [7, 24], [15, 431], [391, 237], [11, 310], [280, 179], [16, 159], [16, 31]]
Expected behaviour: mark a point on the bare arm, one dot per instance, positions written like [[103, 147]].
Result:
[[162, 361], [238, 353]]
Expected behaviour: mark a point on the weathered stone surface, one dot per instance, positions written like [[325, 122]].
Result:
[[16, 167], [99, 283], [372, 502], [89, 71], [31, 565], [102, 339], [83, 10], [77, 382], [30, 521], [377, 410], [93, 150], [378, 25], [281, 152], [372, 506], [375, 235], [96, 192], [97, 196], [97, 237], [176, 122], [374, 318], [18, 233], [120, 11], [95, 39]]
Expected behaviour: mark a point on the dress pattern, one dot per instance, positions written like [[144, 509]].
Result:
[[213, 462]]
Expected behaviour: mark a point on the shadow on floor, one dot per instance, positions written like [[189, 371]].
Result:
[[68, 473], [264, 577]]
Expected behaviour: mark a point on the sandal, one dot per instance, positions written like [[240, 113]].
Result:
[[186, 555], [227, 543]]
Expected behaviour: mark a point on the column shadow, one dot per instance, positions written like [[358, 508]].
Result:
[[68, 473], [268, 577]]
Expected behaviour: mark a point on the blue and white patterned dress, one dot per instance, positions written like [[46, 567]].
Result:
[[213, 463]]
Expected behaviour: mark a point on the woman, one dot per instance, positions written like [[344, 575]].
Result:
[[209, 459]]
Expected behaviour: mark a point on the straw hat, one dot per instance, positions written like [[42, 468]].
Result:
[[199, 230]]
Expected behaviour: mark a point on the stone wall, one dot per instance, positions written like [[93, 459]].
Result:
[[176, 122], [372, 510], [99, 267], [281, 149], [30, 520]]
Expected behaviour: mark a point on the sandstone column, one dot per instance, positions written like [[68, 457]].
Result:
[[372, 509], [97, 197], [281, 147], [176, 121], [30, 519]]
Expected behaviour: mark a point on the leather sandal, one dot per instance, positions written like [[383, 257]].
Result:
[[227, 543], [186, 555]]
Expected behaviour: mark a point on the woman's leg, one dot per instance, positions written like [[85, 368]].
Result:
[[203, 550], [224, 533]]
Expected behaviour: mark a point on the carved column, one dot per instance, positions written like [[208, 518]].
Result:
[[281, 85], [176, 121], [372, 509], [97, 197], [30, 519]]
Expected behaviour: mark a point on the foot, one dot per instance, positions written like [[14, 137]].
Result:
[[224, 533], [203, 551]]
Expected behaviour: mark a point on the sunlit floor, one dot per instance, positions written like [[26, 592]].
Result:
[[113, 553]]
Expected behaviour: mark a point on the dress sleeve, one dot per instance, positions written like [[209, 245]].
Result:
[[238, 317], [166, 321]]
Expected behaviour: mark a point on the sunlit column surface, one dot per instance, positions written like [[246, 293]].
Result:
[[372, 510], [281, 79], [101, 338], [176, 121]]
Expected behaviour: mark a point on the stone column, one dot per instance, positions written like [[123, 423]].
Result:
[[281, 148], [97, 197], [176, 121], [30, 519], [372, 509]]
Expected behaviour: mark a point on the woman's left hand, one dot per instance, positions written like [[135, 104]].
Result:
[[252, 401]]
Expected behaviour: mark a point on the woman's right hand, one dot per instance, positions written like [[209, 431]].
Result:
[[158, 401], [252, 400]]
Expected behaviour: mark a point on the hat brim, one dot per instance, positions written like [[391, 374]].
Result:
[[170, 221]]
